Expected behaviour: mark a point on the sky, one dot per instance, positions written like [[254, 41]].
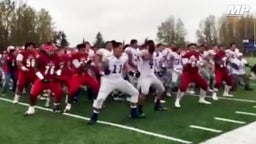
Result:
[[129, 19]]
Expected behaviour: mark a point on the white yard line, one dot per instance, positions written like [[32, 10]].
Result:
[[232, 99], [242, 135], [254, 106], [229, 120], [205, 128], [111, 124], [245, 113], [236, 99]]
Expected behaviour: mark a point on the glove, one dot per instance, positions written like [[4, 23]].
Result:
[[160, 74], [23, 68], [46, 81], [58, 72], [234, 66], [134, 74], [137, 75], [89, 62], [107, 71]]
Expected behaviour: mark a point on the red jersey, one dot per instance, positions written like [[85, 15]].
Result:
[[65, 62], [193, 59], [82, 59], [27, 58], [220, 60], [48, 66]]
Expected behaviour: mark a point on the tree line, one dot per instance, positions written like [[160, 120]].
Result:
[[20, 23]]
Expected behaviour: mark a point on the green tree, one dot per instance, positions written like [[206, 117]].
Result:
[[99, 42], [21, 23], [207, 32], [171, 31]]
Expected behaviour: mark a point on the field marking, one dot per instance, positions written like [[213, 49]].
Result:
[[110, 124], [232, 99], [245, 113], [205, 128], [241, 135], [254, 106], [229, 120], [236, 99]]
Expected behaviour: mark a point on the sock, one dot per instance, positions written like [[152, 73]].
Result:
[[140, 109], [94, 116], [202, 94], [133, 112], [179, 95], [157, 103]]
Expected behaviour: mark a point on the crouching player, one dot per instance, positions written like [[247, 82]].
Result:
[[146, 67], [191, 61], [26, 73], [113, 79], [48, 68]]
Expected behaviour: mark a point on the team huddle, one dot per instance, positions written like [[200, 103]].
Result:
[[130, 69]]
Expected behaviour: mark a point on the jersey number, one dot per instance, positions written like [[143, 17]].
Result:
[[115, 69], [30, 63], [49, 70], [151, 64], [176, 61]]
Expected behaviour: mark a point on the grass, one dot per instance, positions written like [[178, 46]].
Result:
[[46, 127]]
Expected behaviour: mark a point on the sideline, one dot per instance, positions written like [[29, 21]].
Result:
[[110, 124]]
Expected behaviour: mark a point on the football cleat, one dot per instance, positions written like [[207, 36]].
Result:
[[56, 109], [203, 101], [67, 108], [160, 108], [16, 99], [138, 116], [30, 111], [226, 94], [47, 102], [169, 94], [177, 104], [214, 96]]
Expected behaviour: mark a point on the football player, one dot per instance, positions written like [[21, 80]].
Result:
[[112, 79]]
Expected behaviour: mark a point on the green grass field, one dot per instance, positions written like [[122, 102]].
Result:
[[49, 128]]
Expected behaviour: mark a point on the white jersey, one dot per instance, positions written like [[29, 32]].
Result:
[[158, 60], [116, 65], [166, 53], [146, 67], [177, 62], [91, 54], [241, 66], [134, 53], [104, 53]]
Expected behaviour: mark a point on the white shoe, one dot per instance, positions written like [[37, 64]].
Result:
[[118, 99], [203, 101], [30, 111], [47, 102], [67, 108], [162, 101], [169, 94], [128, 99], [177, 104], [16, 99], [215, 97], [191, 92], [225, 94]]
